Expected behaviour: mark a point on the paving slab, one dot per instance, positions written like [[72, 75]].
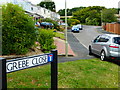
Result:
[[61, 47]]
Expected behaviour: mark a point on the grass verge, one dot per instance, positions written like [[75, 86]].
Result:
[[91, 73], [60, 35]]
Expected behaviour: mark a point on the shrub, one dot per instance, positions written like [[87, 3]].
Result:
[[18, 32], [92, 21], [45, 39], [73, 22]]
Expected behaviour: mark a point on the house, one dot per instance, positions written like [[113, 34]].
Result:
[[33, 10]]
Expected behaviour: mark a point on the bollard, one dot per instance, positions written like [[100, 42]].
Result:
[[3, 78], [54, 71]]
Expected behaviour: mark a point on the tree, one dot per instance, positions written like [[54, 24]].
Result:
[[69, 11], [48, 4], [18, 33], [108, 15], [89, 13], [61, 12], [93, 19], [73, 22]]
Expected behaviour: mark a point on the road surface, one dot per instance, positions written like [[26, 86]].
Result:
[[79, 43]]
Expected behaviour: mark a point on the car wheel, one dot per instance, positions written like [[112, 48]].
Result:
[[103, 56], [90, 51]]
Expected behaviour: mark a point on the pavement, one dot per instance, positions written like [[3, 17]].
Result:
[[61, 47], [101, 30]]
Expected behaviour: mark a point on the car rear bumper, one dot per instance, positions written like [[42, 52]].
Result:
[[114, 58], [114, 54], [80, 28], [75, 30]]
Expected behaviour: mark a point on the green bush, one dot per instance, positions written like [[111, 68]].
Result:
[[92, 21], [18, 34], [72, 22], [45, 39]]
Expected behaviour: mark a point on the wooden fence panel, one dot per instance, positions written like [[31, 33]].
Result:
[[113, 28], [119, 29], [107, 27]]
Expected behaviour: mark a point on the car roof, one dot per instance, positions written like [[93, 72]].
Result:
[[78, 24], [75, 26]]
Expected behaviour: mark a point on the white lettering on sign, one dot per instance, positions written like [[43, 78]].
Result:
[[15, 65]]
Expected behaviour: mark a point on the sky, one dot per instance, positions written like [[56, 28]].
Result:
[[60, 4]]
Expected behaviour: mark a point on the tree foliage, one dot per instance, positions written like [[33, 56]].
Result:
[[69, 11], [72, 22], [108, 15], [48, 4], [89, 15], [18, 33]]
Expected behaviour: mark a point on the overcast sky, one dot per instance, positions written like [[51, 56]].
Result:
[[60, 4]]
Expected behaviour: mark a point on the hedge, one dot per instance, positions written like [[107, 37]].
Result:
[[18, 34]]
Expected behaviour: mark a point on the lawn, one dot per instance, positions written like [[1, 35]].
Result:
[[60, 35], [91, 73]]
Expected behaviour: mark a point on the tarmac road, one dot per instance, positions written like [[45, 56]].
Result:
[[87, 35], [79, 43]]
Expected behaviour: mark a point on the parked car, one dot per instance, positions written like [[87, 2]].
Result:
[[37, 24], [46, 25], [107, 46], [75, 28], [80, 26]]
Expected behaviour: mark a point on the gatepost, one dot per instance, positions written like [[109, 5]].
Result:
[[54, 72]]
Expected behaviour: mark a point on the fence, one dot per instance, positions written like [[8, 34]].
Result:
[[113, 28], [9, 66]]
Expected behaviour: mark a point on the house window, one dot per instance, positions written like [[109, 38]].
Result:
[[44, 11], [32, 8]]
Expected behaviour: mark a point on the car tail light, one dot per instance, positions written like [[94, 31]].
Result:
[[112, 57], [113, 46]]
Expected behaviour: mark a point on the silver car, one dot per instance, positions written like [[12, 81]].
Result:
[[75, 28], [107, 46], [80, 26]]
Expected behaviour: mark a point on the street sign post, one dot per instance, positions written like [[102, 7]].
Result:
[[3, 78], [8, 66]]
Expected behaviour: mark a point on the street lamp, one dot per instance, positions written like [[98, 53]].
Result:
[[66, 42]]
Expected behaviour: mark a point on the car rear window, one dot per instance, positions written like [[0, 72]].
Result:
[[116, 40]]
